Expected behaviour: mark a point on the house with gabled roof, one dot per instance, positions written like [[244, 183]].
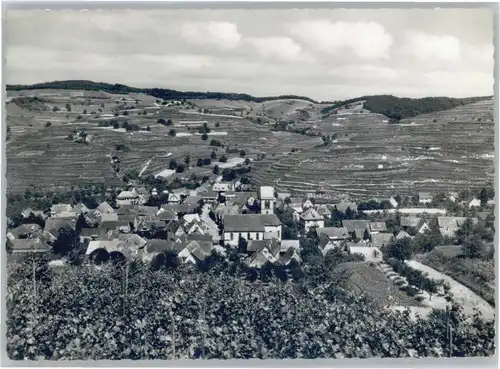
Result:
[[81, 208], [28, 245], [402, 234], [36, 213], [381, 239], [174, 198], [90, 234], [449, 225], [256, 260], [57, 209], [393, 202], [108, 221], [286, 244], [196, 251], [166, 215], [24, 231], [310, 218], [351, 225], [251, 227], [377, 227], [285, 258], [425, 197], [324, 210], [419, 224], [54, 225], [104, 208], [343, 206], [128, 197], [474, 203]]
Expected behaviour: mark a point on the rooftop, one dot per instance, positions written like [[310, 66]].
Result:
[[249, 222]]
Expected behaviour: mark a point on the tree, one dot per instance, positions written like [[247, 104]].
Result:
[[187, 160], [125, 113], [216, 169], [180, 168], [161, 121], [172, 164], [199, 163], [48, 124], [242, 245], [223, 159], [204, 136], [169, 122], [55, 109], [242, 153], [401, 249], [148, 128], [207, 161], [473, 246], [68, 107], [483, 196], [67, 241], [213, 155], [217, 124], [466, 230], [172, 133]]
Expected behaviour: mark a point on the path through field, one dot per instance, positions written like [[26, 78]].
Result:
[[146, 166], [463, 295]]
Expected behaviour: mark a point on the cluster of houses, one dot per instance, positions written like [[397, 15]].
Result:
[[212, 218], [192, 224]]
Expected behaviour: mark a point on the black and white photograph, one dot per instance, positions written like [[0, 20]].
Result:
[[233, 182]]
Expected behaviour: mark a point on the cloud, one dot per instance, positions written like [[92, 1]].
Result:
[[428, 47], [282, 48], [366, 40], [223, 35]]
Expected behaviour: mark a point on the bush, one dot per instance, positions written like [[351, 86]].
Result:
[[204, 137], [223, 159], [172, 133]]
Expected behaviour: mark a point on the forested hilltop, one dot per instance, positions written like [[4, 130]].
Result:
[[161, 93], [398, 108]]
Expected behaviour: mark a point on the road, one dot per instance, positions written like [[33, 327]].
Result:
[[461, 294]]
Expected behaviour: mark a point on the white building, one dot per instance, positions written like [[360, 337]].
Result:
[[475, 203], [424, 198], [127, 198], [251, 227], [267, 200], [311, 218]]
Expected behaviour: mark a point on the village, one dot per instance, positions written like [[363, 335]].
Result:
[[218, 216]]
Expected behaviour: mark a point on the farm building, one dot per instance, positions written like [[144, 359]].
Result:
[[251, 227], [419, 224], [26, 213], [286, 257]]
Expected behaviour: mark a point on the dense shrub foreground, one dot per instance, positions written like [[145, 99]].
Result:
[[83, 313]]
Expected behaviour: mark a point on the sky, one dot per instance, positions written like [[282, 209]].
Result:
[[325, 54]]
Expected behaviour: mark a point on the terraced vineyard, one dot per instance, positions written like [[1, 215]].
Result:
[[449, 150], [36, 148]]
